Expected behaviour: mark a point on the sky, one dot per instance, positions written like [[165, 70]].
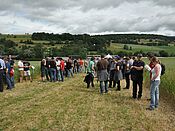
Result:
[[87, 16]]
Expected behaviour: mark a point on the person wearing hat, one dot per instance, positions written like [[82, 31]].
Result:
[[137, 76]]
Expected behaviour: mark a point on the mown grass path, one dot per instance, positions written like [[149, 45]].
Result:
[[71, 106]]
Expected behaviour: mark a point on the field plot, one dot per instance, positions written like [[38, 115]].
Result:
[[71, 106], [115, 47]]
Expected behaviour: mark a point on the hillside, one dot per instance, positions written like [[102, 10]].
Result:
[[67, 44]]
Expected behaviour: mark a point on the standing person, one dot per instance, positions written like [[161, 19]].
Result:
[[2, 68], [118, 73], [47, 69], [91, 72], [62, 68], [12, 70], [9, 73], [42, 68], [123, 66], [127, 73], [81, 63], [27, 73], [58, 62], [69, 67], [155, 82], [21, 70], [75, 68], [137, 76], [102, 74], [52, 66], [85, 66], [112, 66], [151, 65]]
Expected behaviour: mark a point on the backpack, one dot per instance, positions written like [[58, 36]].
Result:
[[163, 69]]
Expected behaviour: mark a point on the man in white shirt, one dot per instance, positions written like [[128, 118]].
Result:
[[58, 69], [21, 70]]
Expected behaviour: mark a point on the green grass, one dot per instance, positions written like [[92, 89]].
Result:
[[16, 38], [168, 82], [119, 47], [71, 106]]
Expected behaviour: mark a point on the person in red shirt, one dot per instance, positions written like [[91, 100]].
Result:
[[62, 66], [81, 64]]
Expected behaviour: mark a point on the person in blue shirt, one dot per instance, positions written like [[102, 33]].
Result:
[[9, 74]]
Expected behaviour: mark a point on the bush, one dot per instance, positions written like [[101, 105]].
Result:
[[163, 53]]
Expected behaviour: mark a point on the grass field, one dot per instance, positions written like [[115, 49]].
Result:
[[119, 47], [16, 38], [71, 106]]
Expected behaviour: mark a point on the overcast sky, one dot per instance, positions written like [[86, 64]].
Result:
[[87, 16]]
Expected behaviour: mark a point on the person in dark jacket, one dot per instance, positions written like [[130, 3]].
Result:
[[53, 70], [118, 73], [89, 79], [102, 74], [137, 76]]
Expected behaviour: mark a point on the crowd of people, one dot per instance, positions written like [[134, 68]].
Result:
[[109, 72], [55, 69], [7, 71]]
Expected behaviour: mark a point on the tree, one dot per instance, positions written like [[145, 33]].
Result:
[[163, 53], [38, 51], [125, 47]]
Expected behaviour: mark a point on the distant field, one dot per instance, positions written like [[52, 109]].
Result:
[[16, 38], [116, 47]]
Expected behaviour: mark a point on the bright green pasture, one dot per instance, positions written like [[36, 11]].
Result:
[[168, 79], [115, 47]]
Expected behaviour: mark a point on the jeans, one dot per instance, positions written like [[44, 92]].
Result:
[[58, 75], [47, 72], [53, 74], [13, 81], [70, 72], [10, 81], [154, 93], [102, 86]]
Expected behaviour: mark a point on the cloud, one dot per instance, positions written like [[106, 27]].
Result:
[[87, 16]]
